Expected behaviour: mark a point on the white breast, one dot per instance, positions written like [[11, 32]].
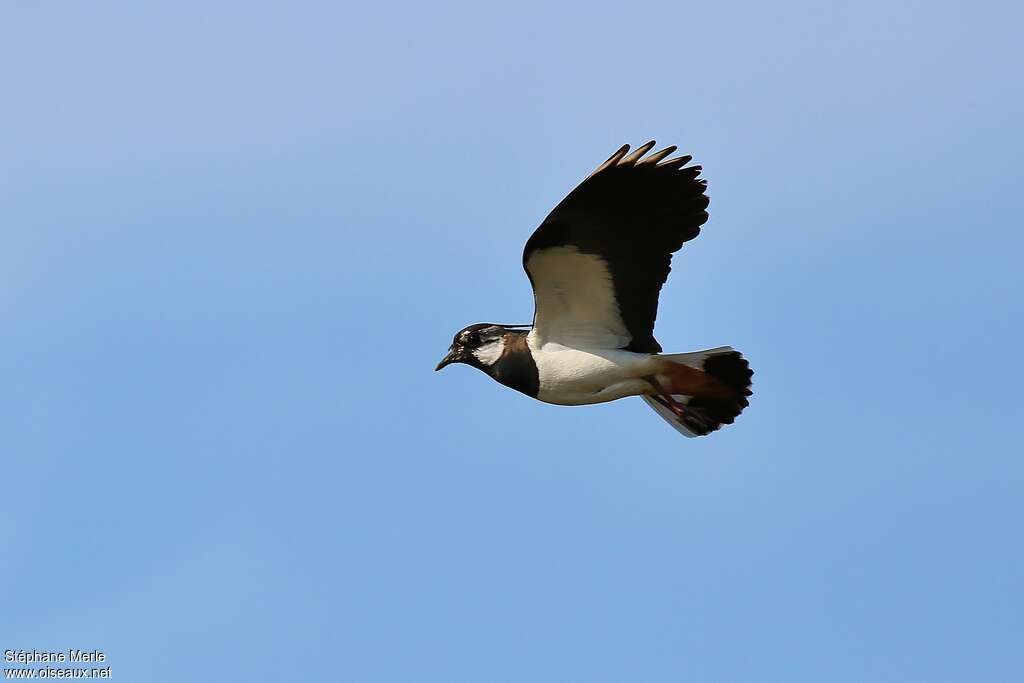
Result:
[[570, 376]]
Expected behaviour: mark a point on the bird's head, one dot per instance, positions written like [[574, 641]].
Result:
[[479, 345]]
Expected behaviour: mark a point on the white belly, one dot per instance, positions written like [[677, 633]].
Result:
[[577, 377]]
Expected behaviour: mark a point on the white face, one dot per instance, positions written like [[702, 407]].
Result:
[[489, 353]]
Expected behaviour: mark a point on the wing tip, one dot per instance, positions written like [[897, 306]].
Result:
[[637, 154], [613, 160], [640, 157]]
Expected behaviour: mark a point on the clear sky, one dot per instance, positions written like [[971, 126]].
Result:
[[235, 239]]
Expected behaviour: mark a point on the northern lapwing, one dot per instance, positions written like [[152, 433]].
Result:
[[597, 264]]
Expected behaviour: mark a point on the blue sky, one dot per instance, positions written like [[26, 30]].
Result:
[[235, 239]]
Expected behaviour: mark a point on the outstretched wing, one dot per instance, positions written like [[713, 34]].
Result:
[[598, 261]]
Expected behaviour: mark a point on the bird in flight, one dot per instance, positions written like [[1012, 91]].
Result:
[[597, 264]]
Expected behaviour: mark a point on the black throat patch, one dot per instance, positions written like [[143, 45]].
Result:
[[516, 368]]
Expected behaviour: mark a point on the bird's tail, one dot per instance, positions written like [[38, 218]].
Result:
[[712, 396]]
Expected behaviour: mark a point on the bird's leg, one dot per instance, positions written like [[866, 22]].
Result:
[[682, 411], [675, 406]]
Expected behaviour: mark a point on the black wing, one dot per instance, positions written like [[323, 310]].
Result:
[[598, 261]]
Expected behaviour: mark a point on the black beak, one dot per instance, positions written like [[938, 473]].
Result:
[[452, 357]]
